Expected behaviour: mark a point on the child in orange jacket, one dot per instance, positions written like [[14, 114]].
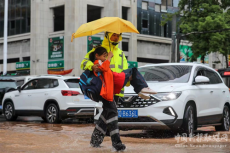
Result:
[[113, 82]]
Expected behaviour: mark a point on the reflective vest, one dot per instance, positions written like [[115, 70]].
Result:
[[118, 62]]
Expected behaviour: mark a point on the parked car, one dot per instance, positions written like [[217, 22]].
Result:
[[51, 97], [189, 96], [9, 83]]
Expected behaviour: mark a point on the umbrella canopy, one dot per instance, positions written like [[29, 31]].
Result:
[[110, 24]]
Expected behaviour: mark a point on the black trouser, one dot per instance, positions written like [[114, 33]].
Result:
[[138, 82], [108, 121]]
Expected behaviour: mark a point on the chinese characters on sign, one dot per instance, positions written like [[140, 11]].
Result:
[[55, 64], [23, 65], [56, 48]]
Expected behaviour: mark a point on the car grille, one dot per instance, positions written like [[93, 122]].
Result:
[[135, 102], [139, 119]]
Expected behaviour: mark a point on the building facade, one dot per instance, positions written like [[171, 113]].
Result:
[[39, 32]]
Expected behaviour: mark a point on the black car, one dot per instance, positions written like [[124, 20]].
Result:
[[8, 84]]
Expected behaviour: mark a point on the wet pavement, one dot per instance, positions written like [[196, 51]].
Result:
[[31, 135]]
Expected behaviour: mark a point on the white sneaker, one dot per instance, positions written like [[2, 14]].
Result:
[[148, 90], [143, 96]]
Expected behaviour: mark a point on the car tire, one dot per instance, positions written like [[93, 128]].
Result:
[[9, 111], [52, 114], [225, 120], [188, 126]]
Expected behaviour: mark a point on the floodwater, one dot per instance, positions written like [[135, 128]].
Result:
[[31, 135]]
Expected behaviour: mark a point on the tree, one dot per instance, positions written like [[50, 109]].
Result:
[[202, 22]]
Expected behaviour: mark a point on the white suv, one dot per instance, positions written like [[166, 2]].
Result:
[[189, 96], [51, 97]]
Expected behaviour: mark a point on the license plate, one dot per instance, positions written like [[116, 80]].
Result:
[[0, 107], [128, 113], [86, 97]]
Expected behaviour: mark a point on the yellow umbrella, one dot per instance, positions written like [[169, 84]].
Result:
[[110, 24]]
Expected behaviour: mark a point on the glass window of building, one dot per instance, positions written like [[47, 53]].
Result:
[[157, 8], [145, 5], [163, 5], [125, 46], [125, 12], [169, 2], [93, 13], [59, 18], [144, 23], [18, 17]]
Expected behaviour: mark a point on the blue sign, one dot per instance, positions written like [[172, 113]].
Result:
[[0, 107], [128, 113], [86, 97]]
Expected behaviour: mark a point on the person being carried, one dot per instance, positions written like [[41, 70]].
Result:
[[114, 80]]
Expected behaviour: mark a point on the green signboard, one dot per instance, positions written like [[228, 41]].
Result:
[[92, 42], [186, 55], [55, 64], [56, 48], [132, 64], [23, 65]]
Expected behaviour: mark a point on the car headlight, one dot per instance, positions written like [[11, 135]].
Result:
[[166, 96]]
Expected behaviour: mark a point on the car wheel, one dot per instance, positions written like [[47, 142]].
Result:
[[225, 120], [52, 114], [189, 121], [9, 112]]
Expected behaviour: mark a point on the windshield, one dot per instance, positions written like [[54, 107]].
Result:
[[11, 84], [166, 74], [72, 83]]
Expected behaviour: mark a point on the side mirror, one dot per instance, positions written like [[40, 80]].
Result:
[[201, 80], [19, 88]]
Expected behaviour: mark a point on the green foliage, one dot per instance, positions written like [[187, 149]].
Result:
[[202, 16]]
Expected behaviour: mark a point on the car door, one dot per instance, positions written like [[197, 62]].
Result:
[[220, 92], [40, 95], [22, 98], [203, 93]]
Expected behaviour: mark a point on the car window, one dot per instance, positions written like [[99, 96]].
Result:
[[200, 73], [213, 77], [53, 83], [20, 82], [30, 85], [72, 83], [41, 84], [8, 83], [166, 74]]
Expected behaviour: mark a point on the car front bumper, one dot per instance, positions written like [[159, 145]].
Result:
[[161, 115], [150, 125]]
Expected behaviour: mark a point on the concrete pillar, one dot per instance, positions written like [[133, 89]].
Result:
[[70, 58], [133, 37], [80, 44], [39, 37]]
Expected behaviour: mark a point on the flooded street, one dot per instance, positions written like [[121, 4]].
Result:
[[31, 135]]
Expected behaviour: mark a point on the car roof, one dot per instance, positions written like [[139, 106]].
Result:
[[56, 77], [165, 64], [15, 78]]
